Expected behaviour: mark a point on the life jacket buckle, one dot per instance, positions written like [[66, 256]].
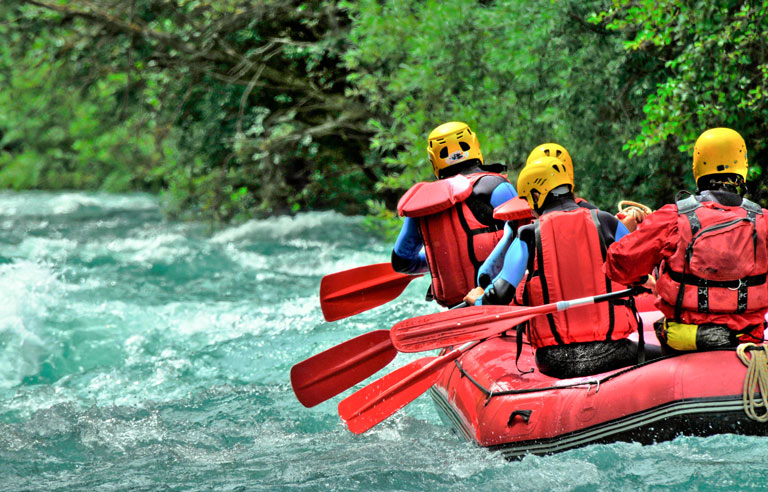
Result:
[[741, 284]]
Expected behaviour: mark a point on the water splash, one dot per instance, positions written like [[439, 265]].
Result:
[[29, 291]]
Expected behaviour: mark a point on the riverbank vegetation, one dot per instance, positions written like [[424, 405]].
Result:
[[232, 109]]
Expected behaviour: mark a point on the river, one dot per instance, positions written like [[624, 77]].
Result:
[[143, 354]]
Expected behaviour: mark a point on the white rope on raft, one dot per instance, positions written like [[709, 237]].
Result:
[[756, 380]]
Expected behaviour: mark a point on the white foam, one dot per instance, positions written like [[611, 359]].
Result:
[[48, 203], [248, 259], [40, 247], [28, 290], [147, 250], [285, 226]]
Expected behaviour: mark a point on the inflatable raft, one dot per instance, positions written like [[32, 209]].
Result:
[[486, 399]]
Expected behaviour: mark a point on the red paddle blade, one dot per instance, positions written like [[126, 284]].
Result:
[[440, 330], [337, 369], [377, 401], [406, 341], [350, 292]]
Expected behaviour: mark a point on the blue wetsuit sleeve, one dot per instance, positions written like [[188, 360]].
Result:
[[621, 231], [515, 263], [492, 265], [502, 193], [409, 249]]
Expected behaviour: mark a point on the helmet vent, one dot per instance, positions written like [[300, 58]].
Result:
[[464, 146], [554, 166], [558, 152], [444, 152], [721, 167], [459, 134]]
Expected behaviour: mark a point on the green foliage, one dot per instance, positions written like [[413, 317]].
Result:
[[520, 73], [715, 70], [234, 108], [56, 137]]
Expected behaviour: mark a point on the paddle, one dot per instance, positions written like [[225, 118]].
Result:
[[338, 368], [446, 329], [350, 292], [374, 403]]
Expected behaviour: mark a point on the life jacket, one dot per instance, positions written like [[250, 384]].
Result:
[[720, 262], [455, 242], [568, 264]]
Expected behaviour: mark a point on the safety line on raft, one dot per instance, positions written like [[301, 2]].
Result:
[[756, 380]]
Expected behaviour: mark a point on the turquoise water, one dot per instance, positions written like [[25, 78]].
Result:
[[141, 354]]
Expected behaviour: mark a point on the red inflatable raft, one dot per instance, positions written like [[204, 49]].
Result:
[[488, 401]]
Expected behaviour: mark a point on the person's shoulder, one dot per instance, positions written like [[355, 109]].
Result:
[[492, 179], [606, 217], [581, 202], [489, 183]]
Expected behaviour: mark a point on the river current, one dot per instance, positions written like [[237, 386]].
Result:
[[142, 354]]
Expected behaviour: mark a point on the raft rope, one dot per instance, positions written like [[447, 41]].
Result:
[[626, 205], [756, 359]]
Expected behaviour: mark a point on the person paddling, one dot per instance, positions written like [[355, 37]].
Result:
[[711, 252], [449, 229], [563, 251]]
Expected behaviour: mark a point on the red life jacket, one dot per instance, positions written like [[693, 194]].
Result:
[[720, 262], [455, 242], [568, 264]]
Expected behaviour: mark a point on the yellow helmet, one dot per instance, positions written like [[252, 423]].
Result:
[[450, 144], [542, 175], [719, 151], [552, 150]]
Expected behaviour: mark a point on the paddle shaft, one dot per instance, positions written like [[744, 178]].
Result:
[[520, 313]]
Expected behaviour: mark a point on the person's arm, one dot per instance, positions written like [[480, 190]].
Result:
[[502, 291], [408, 255], [492, 265], [630, 260], [502, 193]]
